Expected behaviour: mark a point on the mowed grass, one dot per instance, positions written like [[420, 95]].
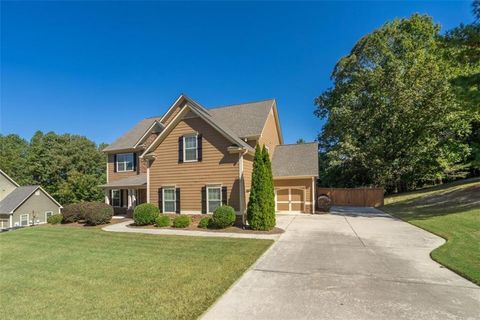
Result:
[[55, 272], [451, 211]]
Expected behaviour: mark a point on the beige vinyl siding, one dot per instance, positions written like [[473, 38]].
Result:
[[217, 166], [301, 183], [6, 186], [247, 171], [270, 135], [35, 205]]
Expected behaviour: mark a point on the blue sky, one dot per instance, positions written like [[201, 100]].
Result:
[[96, 68]]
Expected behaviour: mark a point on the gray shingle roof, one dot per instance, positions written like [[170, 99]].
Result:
[[245, 120], [295, 160], [132, 136], [16, 197], [134, 181]]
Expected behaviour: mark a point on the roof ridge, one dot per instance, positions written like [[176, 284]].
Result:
[[293, 144], [239, 104]]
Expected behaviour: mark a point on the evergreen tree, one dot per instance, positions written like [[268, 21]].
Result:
[[261, 205], [269, 195]]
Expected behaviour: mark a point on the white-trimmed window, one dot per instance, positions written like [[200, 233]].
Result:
[[116, 198], [24, 220], [190, 148], [214, 198], [125, 162], [48, 214], [4, 223], [169, 199]]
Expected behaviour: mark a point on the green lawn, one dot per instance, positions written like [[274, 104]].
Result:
[[55, 272], [451, 211]]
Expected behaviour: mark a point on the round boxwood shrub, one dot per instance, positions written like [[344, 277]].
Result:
[[73, 212], [223, 216], [146, 213], [205, 222], [182, 221], [97, 213], [163, 221], [55, 219]]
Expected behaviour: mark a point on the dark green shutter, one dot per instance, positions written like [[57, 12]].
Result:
[[177, 200], [204, 199], [160, 200]]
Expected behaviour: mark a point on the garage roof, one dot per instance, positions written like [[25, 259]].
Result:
[[291, 160]]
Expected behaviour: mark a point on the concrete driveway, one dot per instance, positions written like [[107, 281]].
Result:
[[356, 263]]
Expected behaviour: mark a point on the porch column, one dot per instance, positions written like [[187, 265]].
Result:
[[107, 198], [129, 191], [134, 198]]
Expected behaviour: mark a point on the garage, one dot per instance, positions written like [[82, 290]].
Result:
[[295, 172], [290, 199]]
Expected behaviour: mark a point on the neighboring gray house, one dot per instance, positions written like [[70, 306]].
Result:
[[24, 206]]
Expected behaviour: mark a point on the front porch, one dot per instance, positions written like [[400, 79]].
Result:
[[125, 194]]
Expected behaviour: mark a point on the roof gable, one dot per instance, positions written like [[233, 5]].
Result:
[[9, 179], [135, 136], [192, 106], [18, 196]]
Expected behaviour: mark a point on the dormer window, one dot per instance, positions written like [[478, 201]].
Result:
[[190, 150], [125, 162]]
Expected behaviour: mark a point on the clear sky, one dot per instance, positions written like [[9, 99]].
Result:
[[96, 68]]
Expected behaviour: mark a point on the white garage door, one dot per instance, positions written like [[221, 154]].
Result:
[[290, 199]]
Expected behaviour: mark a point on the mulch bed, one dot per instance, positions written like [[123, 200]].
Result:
[[196, 219]]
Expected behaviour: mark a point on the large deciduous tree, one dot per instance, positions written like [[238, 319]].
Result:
[[392, 118], [462, 52], [69, 167]]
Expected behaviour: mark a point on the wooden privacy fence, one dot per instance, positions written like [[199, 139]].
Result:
[[360, 197]]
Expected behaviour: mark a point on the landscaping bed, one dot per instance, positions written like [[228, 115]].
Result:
[[195, 220]]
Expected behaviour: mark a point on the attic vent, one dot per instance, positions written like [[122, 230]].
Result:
[[37, 193]]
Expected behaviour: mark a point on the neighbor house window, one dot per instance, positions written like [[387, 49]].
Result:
[[116, 198], [214, 196], [168, 199], [125, 162], [48, 214], [24, 220], [190, 149]]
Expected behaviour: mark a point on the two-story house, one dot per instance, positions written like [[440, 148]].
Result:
[[193, 159]]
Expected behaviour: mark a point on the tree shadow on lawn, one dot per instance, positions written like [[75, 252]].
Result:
[[452, 202]]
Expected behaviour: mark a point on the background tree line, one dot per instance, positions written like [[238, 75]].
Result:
[[70, 167], [404, 108]]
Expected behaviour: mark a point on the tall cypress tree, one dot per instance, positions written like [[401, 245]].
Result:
[[261, 205], [254, 207], [269, 192]]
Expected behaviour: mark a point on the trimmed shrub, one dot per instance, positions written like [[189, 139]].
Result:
[[97, 213], [163, 221], [205, 222], [146, 213], [261, 204], [324, 203], [182, 221], [73, 212], [55, 219], [224, 216]]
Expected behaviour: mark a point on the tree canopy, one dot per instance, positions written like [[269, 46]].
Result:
[[393, 118], [69, 167]]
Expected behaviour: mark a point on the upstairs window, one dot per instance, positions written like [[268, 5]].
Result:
[[190, 150], [125, 162]]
